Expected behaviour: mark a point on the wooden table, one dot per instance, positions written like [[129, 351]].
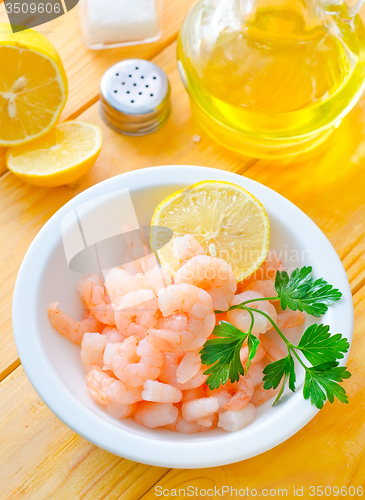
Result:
[[43, 459]]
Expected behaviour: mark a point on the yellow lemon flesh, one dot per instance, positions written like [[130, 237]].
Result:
[[60, 157], [33, 86], [220, 214]]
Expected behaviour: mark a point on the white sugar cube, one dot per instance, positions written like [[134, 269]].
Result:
[[117, 21]]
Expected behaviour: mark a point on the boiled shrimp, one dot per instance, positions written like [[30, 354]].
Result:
[[136, 259], [233, 421], [92, 350], [200, 408], [90, 278], [260, 354], [222, 395], [242, 319], [168, 373], [261, 395], [184, 426], [196, 305], [134, 240], [113, 335], [273, 351], [138, 266], [213, 275], [118, 410], [133, 362], [70, 328], [93, 293], [290, 319], [188, 367], [125, 350], [136, 313], [191, 427], [105, 389], [159, 392], [197, 393], [245, 388], [156, 278], [133, 266], [186, 247], [170, 363], [193, 383], [265, 287], [154, 415], [208, 421], [119, 282]]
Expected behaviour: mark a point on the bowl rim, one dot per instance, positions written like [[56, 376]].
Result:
[[291, 416]]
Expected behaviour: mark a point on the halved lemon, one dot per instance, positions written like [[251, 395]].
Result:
[[222, 217], [60, 157], [33, 86]]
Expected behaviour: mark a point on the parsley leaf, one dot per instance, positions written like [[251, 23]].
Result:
[[321, 383], [223, 354], [302, 291], [319, 346], [274, 372], [281, 370], [292, 377], [253, 344]]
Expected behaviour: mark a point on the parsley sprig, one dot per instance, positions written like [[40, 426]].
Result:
[[301, 291], [305, 293]]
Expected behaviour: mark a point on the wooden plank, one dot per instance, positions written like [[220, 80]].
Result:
[[27, 208], [329, 451], [84, 67], [43, 459], [358, 297]]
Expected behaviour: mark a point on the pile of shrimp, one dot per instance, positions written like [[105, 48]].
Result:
[[142, 332]]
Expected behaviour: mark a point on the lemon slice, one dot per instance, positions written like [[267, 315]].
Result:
[[220, 214], [60, 157], [33, 86]]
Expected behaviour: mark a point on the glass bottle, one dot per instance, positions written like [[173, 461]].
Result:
[[271, 78]]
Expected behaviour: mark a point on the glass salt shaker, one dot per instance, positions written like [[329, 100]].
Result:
[[117, 23]]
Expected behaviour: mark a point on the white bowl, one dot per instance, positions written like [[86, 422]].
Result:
[[53, 365]]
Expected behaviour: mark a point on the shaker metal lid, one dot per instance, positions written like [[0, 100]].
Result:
[[135, 97]]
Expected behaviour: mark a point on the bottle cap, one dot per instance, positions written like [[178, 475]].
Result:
[[135, 97]]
